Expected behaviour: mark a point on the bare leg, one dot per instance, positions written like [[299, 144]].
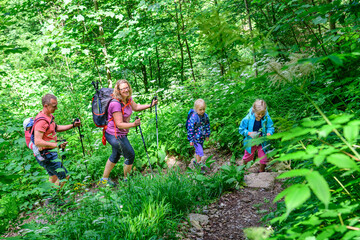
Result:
[[198, 158], [127, 170], [108, 167], [54, 179]]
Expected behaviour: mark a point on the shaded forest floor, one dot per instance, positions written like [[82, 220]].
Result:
[[225, 218]]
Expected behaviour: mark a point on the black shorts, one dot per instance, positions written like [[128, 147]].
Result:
[[120, 146]]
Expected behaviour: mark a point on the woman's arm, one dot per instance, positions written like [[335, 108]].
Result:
[[120, 124], [138, 107]]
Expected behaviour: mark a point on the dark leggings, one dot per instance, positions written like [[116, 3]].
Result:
[[120, 146]]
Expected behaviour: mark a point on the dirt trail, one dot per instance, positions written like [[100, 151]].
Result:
[[233, 212]]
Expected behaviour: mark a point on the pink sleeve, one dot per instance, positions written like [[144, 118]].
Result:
[[114, 107]]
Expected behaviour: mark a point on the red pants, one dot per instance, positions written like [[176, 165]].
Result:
[[249, 157]]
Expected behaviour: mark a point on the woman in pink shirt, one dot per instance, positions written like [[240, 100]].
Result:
[[119, 112]]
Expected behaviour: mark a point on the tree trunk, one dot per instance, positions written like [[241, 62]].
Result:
[[180, 43], [251, 33], [186, 42], [104, 50], [331, 21]]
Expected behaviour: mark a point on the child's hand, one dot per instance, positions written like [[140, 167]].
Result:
[[191, 144], [207, 139], [268, 134]]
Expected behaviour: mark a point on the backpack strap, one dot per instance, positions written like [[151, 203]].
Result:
[[32, 137], [41, 118]]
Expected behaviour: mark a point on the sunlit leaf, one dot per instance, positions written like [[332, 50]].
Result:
[[296, 196], [351, 132], [319, 186], [295, 173], [292, 156], [319, 159], [342, 161]]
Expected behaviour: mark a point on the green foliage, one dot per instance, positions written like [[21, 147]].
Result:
[[258, 233], [324, 163], [8, 212], [306, 57], [145, 207]]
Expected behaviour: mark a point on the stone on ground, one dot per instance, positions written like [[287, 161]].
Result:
[[261, 180], [200, 218]]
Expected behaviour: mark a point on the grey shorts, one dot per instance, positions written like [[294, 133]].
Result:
[[120, 146], [52, 164]]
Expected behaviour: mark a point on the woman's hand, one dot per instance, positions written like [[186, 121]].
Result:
[[154, 102], [191, 144], [137, 122]]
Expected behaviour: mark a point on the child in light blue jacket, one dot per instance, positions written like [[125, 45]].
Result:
[[257, 123]]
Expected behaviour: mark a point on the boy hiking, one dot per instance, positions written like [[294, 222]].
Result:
[[198, 129], [257, 123]]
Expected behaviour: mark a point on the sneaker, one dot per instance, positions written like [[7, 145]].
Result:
[[106, 183], [195, 163]]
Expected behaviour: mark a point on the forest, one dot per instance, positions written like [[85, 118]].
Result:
[[301, 56]]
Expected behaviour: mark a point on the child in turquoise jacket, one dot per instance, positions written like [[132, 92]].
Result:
[[256, 123]]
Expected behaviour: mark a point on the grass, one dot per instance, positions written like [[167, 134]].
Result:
[[144, 208]]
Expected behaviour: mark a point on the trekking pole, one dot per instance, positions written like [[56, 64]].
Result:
[[142, 136], [157, 131], [81, 136], [96, 86], [82, 145]]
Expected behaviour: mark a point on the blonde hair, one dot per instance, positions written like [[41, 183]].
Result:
[[259, 106], [198, 103], [116, 93]]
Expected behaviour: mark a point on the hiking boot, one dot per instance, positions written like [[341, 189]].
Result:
[[106, 183]]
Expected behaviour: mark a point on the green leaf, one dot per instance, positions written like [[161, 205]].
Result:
[[298, 131], [310, 149], [335, 59], [342, 161], [16, 50], [341, 119], [319, 20], [313, 123], [319, 159], [200, 177], [292, 156], [351, 132], [27, 167], [325, 130], [319, 186], [294, 173], [296, 196]]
